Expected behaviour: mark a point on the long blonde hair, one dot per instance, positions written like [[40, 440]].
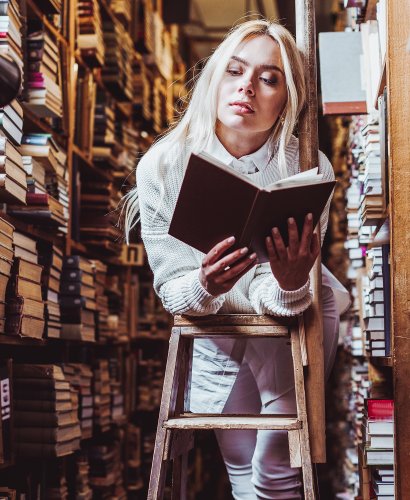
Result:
[[197, 124]]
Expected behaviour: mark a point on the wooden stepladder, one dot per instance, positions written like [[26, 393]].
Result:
[[176, 425]]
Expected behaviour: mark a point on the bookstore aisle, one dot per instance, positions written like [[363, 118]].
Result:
[[83, 337]]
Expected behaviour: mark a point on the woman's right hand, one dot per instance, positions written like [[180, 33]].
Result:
[[218, 275]]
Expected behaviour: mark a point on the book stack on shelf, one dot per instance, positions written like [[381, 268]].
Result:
[[117, 71], [55, 482], [46, 422], [79, 376], [25, 306], [103, 128], [51, 258], [102, 399], [117, 395], [99, 199], [6, 261], [90, 36], [134, 473], [13, 184], [44, 93], [48, 198], [100, 273], [77, 299], [105, 470], [150, 376], [122, 10], [10, 29], [82, 477], [117, 318]]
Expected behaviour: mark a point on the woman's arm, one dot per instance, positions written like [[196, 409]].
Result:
[[265, 294], [173, 263]]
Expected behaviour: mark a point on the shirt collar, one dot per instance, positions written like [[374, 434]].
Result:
[[259, 159]]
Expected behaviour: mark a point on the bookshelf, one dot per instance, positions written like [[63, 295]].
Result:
[[370, 242], [96, 162]]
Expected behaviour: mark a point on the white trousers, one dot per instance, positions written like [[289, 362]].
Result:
[[258, 461]]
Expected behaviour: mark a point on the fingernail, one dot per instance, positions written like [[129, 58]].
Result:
[[244, 250], [275, 230], [231, 239], [252, 256], [309, 217], [291, 220]]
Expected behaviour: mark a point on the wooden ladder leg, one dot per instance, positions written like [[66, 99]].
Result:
[[182, 441], [167, 408], [306, 461]]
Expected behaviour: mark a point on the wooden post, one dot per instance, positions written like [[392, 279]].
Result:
[[308, 151], [398, 88]]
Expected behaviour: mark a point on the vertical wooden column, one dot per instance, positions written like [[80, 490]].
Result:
[[308, 151], [398, 85]]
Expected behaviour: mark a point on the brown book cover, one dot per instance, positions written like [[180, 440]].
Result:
[[27, 270], [43, 394], [46, 449], [47, 434], [216, 202], [5, 266], [38, 371], [39, 405], [26, 288], [25, 326], [26, 307]]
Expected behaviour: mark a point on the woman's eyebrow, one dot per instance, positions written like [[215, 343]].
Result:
[[263, 66]]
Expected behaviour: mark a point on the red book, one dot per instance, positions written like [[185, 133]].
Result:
[[380, 409], [37, 198]]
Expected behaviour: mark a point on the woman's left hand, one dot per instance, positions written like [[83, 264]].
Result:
[[291, 265]]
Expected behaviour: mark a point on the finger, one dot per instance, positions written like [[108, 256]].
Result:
[[250, 262], [273, 256], [293, 245], [238, 270], [227, 261], [315, 246], [307, 234], [279, 245], [215, 253]]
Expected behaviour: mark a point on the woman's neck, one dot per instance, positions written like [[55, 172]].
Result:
[[238, 144]]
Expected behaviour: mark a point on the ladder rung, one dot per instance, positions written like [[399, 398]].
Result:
[[267, 423], [234, 331]]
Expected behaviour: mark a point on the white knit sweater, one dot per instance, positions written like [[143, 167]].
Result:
[[176, 265]]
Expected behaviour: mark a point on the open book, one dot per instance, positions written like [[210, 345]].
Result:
[[216, 202]]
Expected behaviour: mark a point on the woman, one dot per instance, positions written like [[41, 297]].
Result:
[[243, 111]]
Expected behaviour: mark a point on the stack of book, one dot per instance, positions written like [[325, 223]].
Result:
[[45, 421], [102, 478], [383, 482], [13, 184], [102, 395], [44, 95], [104, 128], [25, 306], [100, 271], [80, 377], [55, 482], [6, 261], [116, 303], [98, 219], [51, 258], [378, 431], [82, 479], [122, 9], [90, 36], [117, 394], [134, 477], [47, 199], [117, 70], [119, 491], [370, 175], [374, 307], [10, 31], [77, 299], [150, 376]]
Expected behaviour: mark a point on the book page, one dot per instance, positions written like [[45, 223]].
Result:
[[310, 176]]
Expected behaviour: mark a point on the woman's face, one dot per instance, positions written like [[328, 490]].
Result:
[[253, 92]]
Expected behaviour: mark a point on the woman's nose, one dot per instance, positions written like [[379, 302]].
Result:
[[247, 87]]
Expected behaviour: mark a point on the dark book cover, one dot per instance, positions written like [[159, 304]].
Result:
[[386, 296], [216, 202]]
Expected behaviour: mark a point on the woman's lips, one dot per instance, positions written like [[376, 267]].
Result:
[[242, 108]]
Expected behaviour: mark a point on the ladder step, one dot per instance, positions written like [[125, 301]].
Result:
[[256, 422]]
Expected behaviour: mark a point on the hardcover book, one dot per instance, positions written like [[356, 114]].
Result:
[[216, 202]]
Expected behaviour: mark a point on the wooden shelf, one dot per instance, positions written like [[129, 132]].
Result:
[[36, 124]]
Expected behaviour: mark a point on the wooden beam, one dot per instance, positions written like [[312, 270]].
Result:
[[308, 154], [398, 85]]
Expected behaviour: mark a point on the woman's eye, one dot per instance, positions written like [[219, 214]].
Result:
[[269, 81], [234, 71]]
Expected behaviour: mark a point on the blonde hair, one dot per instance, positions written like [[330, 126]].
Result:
[[197, 124]]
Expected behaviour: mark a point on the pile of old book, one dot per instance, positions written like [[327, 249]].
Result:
[[46, 421], [25, 307], [77, 299], [90, 36]]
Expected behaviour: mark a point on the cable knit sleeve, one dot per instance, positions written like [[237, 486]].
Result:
[[265, 294], [173, 263]]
